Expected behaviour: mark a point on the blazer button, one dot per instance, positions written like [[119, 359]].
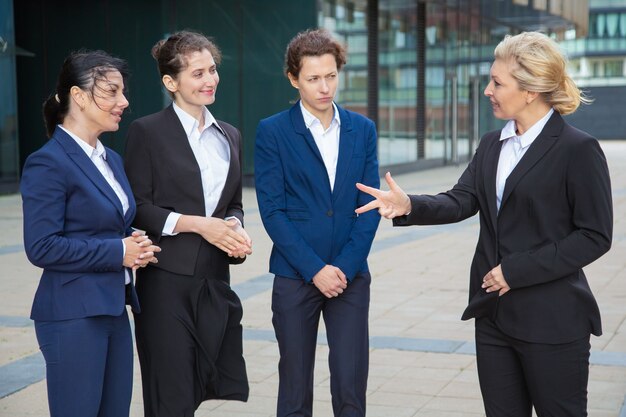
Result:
[[329, 213]]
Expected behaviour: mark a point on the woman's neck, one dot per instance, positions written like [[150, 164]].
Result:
[[80, 129]]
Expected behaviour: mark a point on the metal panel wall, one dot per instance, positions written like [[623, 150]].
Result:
[[251, 34]]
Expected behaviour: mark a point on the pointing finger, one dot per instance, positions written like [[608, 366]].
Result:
[[372, 205], [369, 190]]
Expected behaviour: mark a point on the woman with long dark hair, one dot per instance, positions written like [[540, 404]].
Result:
[[78, 208]]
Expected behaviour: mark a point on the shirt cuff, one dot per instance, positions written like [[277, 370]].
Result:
[[170, 224], [233, 217], [126, 274]]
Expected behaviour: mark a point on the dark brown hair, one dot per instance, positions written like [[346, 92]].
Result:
[[171, 53], [312, 42], [81, 69]]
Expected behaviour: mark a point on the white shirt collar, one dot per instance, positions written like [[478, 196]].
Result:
[[508, 131], [309, 119], [91, 152], [190, 123]]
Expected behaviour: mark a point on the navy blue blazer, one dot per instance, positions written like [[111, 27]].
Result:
[[73, 229], [310, 225]]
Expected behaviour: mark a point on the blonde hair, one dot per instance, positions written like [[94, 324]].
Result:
[[540, 66]]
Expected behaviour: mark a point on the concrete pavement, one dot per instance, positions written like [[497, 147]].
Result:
[[422, 361]]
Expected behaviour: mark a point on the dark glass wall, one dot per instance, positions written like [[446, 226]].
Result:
[[417, 67], [251, 35], [9, 167], [49, 31]]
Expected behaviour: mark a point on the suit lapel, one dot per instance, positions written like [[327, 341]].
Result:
[[298, 124], [88, 167], [346, 149], [300, 128], [491, 169], [120, 176], [233, 167], [177, 146], [536, 151]]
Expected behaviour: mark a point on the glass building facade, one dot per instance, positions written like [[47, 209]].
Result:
[[429, 66], [598, 66], [416, 67], [9, 151]]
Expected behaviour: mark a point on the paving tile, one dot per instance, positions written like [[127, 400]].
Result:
[[419, 291]]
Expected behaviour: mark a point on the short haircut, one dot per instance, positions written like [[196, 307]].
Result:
[[312, 42]]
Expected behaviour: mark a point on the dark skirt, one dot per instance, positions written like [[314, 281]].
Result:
[[189, 340]]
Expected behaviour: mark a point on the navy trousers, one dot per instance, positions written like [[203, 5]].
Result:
[[89, 365], [296, 308], [516, 376]]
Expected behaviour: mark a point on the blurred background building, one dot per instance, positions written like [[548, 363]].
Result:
[[416, 67]]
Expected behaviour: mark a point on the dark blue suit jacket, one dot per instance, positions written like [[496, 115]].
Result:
[[73, 229], [310, 225]]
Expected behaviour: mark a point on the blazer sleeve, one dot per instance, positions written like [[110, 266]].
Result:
[[270, 190], [235, 206], [138, 164], [44, 189], [589, 198], [354, 253], [453, 206]]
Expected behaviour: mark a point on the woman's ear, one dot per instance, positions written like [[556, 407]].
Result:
[[293, 80], [170, 83], [78, 96], [531, 96]]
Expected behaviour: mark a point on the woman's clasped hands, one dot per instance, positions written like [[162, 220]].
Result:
[[228, 235], [139, 251]]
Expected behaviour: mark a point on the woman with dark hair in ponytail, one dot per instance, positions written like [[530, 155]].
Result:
[[78, 208]]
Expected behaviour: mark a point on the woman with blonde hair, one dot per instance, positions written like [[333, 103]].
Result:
[[542, 190]]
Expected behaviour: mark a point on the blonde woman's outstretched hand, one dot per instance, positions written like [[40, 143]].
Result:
[[390, 204]]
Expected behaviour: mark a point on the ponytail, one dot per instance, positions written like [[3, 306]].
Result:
[[53, 113], [80, 69]]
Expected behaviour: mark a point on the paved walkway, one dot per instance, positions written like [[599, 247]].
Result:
[[422, 356]]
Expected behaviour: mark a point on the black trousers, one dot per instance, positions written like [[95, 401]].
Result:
[[296, 308], [515, 375], [189, 341]]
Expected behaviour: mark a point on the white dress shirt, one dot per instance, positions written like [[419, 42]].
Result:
[[98, 156], [212, 152], [327, 140], [513, 148]]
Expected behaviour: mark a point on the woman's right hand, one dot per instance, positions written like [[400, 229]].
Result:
[[390, 204]]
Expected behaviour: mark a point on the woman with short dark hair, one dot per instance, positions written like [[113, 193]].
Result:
[[307, 159]]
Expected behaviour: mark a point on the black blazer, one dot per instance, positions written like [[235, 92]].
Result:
[[555, 218], [165, 177]]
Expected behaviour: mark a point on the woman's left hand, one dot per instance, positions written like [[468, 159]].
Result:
[[494, 281], [140, 251]]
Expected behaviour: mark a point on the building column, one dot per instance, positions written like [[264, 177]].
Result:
[[372, 60], [420, 107]]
